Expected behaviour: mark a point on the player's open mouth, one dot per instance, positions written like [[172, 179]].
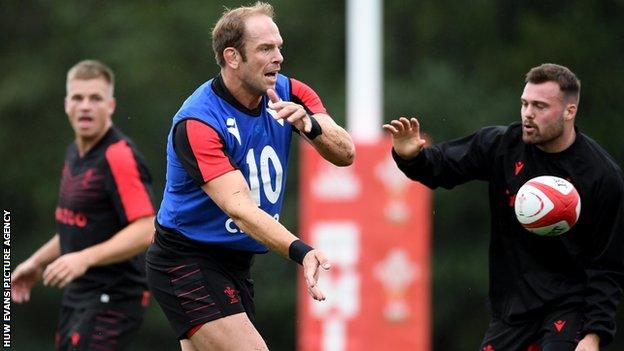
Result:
[[85, 121], [529, 127], [271, 75]]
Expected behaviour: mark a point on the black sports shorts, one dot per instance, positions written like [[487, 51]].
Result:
[[104, 327], [195, 283], [554, 330]]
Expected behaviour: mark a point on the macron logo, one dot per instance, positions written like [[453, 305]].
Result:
[[233, 129]]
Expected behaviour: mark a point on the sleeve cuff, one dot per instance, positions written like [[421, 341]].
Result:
[[417, 161]]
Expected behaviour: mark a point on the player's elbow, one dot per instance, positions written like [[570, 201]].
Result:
[[238, 209], [349, 157], [345, 158]]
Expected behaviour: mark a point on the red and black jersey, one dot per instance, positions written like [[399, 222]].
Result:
[[531, 273], [100, 194]]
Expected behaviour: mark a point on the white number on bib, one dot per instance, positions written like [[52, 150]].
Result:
[[268, 155]]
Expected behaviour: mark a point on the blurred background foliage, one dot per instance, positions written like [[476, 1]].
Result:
[[458, 65]]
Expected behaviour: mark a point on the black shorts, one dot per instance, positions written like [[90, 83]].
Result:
[[104, 327], [554, 330], [195, 283]]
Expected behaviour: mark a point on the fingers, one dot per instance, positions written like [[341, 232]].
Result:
[[58, 274], [22, 280], [66, 280], [316, 293], [24, 297], [55, 274], [273, 97], [290, 112], [414, 124], [323, 261], [307, 123], [402, 125], [390, 129], [60, 280], [293, 113], [309, 273], [48, 273], [20, 293], [313, 262], [16, 276]]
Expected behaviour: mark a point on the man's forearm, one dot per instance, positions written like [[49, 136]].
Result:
[[334, 143], [265, 229], [47, 253], [127, 243]]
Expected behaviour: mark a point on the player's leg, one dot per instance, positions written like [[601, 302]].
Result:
[[76, 329], [561, 328], [235, 332], [501, 336], [205, 294], [208, 307], [115, 328], [98, 327], [187, 345], [63, 329]]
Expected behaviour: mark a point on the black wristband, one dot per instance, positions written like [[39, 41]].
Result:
[[297, 251], [315, 131]]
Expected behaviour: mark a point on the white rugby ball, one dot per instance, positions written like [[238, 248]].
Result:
[[547, 205]]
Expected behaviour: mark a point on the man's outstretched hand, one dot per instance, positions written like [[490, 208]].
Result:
[[406, 139], [312, 264]]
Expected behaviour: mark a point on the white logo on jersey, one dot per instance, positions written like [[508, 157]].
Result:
[[232, 228], [233, 129], [273, 114]]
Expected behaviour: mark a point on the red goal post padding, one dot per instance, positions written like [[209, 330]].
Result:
[[374, 224]]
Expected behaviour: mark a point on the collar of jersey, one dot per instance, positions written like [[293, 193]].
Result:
[[95, 149], [221, 90]]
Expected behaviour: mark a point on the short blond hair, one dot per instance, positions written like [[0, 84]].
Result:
[[92, 69], [229, 31]]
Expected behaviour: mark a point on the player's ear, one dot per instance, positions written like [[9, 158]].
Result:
[[232, 57], [570, 111], [66, 104], [112, 105]]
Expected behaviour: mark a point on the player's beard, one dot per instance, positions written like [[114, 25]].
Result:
[[254, 87], [254, 82], [545, 133]]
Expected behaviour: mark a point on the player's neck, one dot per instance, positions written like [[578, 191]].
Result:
[[561, 143], [85, 144], [239, 91]]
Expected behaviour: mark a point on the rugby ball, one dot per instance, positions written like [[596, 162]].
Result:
[[547, 205]]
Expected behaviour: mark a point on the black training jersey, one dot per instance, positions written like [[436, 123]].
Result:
[[527, 271], [100, 194]]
